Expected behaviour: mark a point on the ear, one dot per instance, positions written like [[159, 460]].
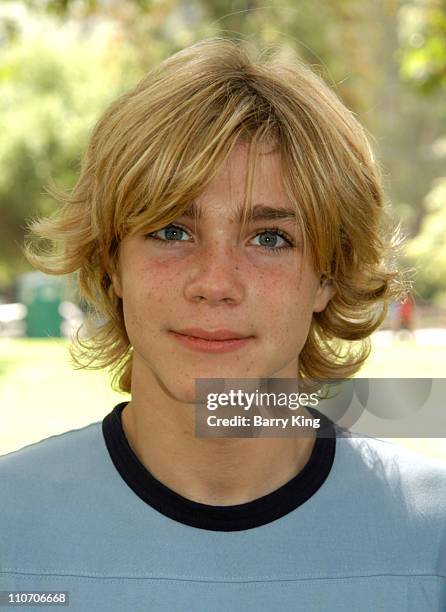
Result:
[[116, 283], [112, 266], [323, 295]]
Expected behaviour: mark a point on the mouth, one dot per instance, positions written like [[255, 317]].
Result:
[[218, 334], [214, 344]]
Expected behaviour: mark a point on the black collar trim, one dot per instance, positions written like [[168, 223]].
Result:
[[238, 517]]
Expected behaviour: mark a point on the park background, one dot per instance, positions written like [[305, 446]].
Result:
[[63, 61]]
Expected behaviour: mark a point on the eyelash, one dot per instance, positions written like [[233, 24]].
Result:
[[269, 230]]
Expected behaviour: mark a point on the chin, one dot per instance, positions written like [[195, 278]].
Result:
[[184, 393], [184, 389]]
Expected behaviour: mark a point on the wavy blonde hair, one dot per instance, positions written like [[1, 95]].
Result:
[[156, 148]]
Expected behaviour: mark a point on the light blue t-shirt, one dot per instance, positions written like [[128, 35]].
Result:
[[361, 529]]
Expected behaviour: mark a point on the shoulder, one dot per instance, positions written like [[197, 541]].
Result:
[[49, 497], [399, 479], [394, 499], [66, 441], [50, 463]]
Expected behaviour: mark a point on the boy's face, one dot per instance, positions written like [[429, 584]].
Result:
[[204, 276]]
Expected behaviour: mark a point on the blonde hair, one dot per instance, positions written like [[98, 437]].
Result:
[[155, 149]]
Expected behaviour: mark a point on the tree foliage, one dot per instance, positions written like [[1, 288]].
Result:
[[423, 45], [428, 249], [423, 67], [50, 97]]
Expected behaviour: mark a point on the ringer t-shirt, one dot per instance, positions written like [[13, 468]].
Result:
[[362, 527]]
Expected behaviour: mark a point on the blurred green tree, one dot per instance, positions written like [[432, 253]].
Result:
[[50, 97], [423, 67], [423, 44], [428, 249]]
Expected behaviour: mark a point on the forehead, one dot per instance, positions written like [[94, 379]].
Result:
[[262, 182]]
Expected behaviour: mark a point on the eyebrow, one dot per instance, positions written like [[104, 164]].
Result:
[[259, 212]]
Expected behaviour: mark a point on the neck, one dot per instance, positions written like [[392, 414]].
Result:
[[213, 471]]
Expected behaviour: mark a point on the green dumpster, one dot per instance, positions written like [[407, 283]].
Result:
[[42, 295]]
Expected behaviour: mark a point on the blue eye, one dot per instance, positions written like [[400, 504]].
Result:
[[172, 232], [270, 236]]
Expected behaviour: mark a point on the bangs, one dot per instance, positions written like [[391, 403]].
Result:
[[169, 139], [177, 152]]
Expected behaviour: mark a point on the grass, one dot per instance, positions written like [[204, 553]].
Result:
[[41, 394], [406, 360]]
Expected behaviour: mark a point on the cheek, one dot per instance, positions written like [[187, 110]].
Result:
[[149, 294], [287, 303], [152, 280]]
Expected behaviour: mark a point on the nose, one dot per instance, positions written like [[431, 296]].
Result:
[[215, 275]]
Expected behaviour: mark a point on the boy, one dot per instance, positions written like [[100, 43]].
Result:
[[228, 223]]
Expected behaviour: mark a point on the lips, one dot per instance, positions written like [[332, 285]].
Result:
[[218, 334], [206, 345]]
